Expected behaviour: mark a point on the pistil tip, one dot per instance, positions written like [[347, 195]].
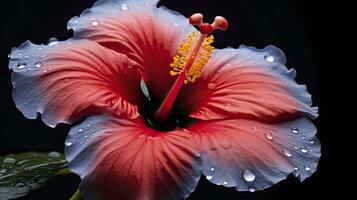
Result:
[[206, 28], [220, 23]]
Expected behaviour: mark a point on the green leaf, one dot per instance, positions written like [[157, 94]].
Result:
[[21, 173]]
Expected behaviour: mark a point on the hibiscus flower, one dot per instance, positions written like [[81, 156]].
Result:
[[164, 107]]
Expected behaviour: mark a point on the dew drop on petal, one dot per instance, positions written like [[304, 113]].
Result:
[[248, 175], [19, 54], [307, 168], [209, 177], [303, 150], [9, 160], [175, 24], [251, 189], [39, 48], [225, 182], [269, 136], [94, 22], [295, 130], [212, 169], [296, 171], [54, 154], [269, 58], [287, 153], [52, 41], [38, 64], [21, 66], [295, 147], [80, 130], [312, 142], [124, 7], [303, 137], [68, 144]]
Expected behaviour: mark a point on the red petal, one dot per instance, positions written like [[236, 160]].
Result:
[[251, 155], [73, 78], [247, 83], [123, 159], [146, 34]]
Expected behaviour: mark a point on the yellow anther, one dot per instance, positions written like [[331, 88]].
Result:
[[183, 56]]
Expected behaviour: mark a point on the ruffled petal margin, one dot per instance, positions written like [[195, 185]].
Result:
[[251, 155], [66, 80], [123, 159], [247, 83], [146, 34]]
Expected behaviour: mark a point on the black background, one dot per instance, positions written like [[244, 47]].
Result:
[[294, 26]]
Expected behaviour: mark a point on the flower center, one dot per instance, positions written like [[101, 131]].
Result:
[[192, 55]]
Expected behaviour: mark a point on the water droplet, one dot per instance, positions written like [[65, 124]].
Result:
[[312, 142], [269, 136], [218, 183], [9, 160], [54, 154], [52, 41], [295, 147], [68, 144], [21, 66], [226, 144], [251, 189], [287, 153], [39, 48], [296, 171], [211, 86], [49, 69], [80, 130], [44, 71], [212, 169], [175, 24], [225, 182], [303, 137], [19, 54], [26, 57], [94, 22], [248, 175], [269, 58], [88, 125], [38, 64], [295, 130], [124, 7], [19, 185], [86, 136], [303, 150], [307, 168], [146, 4], [209, 177]]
